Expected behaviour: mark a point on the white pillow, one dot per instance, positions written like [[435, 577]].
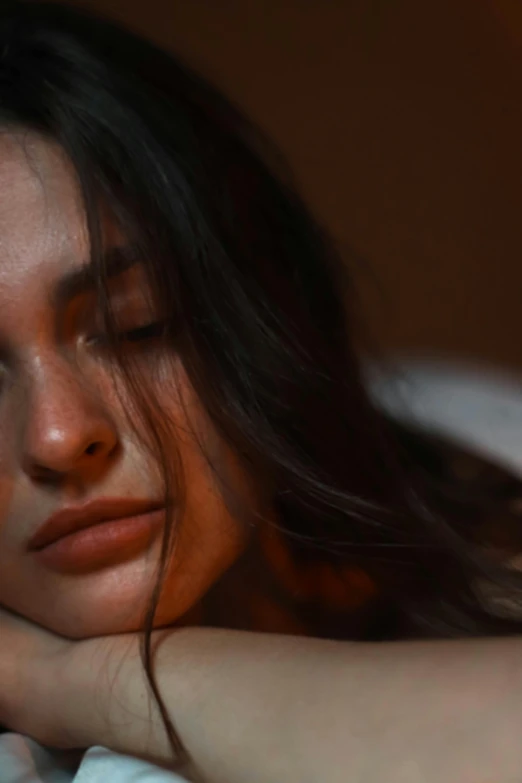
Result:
[[478, 408]]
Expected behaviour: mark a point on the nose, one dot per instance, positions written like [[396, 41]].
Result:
[[67, 428]]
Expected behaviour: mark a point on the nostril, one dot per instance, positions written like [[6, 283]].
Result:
[[93, 448]]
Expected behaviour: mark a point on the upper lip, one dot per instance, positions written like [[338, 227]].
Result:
[[71, 519]]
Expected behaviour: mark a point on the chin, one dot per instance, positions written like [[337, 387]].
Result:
[[87, 619], [88, 624], [79, 629], [84, 625]]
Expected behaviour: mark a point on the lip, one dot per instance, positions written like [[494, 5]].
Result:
[[74, 519]]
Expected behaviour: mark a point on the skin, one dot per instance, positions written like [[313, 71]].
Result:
[[267, 708], [58, 397]]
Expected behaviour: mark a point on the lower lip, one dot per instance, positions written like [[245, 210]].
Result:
[[102, 545]]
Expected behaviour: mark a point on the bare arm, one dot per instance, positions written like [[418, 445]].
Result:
[[272, 709]]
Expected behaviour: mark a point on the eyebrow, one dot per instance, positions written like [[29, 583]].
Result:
[[78, 281]]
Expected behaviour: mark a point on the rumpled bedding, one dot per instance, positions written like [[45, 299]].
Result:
[[22, 760]]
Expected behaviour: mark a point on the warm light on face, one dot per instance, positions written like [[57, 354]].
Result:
[[58, 396]]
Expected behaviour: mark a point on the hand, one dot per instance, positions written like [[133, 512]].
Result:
[[30, 661], [69, 694]]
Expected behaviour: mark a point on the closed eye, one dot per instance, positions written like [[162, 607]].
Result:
[[151, 331], [147, 332]]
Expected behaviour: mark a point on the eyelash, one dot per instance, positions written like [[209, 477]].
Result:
[[151, 331], [147, 332]]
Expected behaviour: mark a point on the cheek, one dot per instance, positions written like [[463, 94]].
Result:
[[12, 420], [213, 529], [13, 494], [209, 536]]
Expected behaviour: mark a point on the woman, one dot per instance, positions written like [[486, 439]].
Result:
[[187, 442]]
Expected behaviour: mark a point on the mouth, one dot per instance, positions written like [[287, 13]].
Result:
[[86, 538]]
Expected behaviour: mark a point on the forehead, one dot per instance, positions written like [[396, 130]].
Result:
[[43, 231], [41, 215]]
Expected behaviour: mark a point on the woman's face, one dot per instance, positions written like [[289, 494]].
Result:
[[65, 439]]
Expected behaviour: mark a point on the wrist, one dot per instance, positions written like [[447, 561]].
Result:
[[105, 699], [41, 697]]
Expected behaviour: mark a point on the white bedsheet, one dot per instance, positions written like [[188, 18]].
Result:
[[24, 761]]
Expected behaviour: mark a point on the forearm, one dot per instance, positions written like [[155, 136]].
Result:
[[268, 709]]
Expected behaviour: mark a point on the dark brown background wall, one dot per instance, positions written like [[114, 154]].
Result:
[[403, 120]]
